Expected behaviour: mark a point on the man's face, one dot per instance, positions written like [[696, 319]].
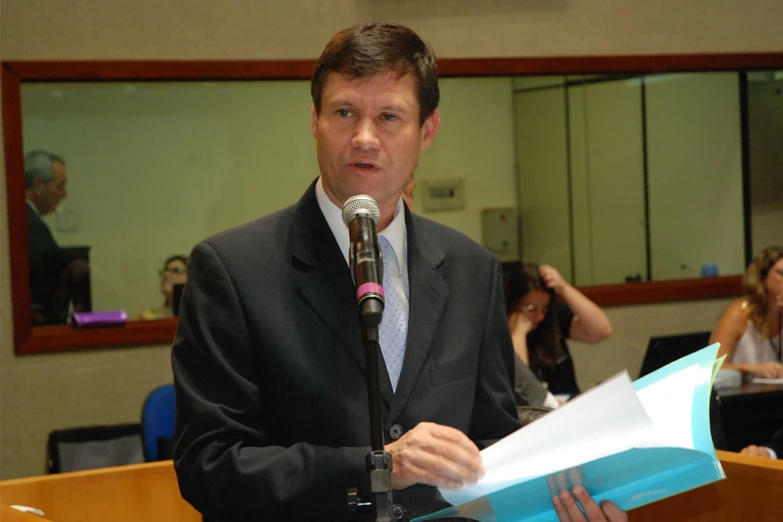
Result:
[[369, 137], [49, 195]]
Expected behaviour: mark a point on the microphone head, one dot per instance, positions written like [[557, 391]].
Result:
[[361, 204]]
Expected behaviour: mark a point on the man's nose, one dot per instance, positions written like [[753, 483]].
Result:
[[365, 137]]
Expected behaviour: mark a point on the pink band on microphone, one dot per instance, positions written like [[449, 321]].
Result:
[[367, 288]]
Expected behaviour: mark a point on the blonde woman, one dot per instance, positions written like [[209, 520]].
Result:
[[750, 330]]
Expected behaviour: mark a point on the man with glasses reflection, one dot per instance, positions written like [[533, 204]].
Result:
[[272, 415]]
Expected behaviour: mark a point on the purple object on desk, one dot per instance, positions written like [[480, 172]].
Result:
[[95, 319]]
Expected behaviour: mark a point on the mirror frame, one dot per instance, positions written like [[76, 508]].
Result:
[[29, 339]]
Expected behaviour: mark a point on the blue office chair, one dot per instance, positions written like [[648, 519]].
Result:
[[157, 423]]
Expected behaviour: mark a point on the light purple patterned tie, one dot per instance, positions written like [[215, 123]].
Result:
[[394, 326]]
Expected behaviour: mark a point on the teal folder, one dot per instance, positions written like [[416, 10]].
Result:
[[658, 444]]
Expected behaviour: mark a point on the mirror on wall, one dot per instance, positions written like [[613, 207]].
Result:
[[612, 179]]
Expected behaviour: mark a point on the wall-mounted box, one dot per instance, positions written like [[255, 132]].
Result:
[[443, 194]]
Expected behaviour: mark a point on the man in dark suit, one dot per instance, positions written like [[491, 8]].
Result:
[[45, 180], [272, 411]]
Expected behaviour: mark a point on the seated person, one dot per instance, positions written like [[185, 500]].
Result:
[[749, 331], [174, 272], [540, 324], [772, 450]]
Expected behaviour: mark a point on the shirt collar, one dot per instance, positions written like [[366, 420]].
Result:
[[32, 206], [395, 233]]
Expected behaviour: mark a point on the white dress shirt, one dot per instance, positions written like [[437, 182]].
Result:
[[395, 233]]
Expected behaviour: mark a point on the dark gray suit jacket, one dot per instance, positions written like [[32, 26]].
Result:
[[272, 414], [46, 267]]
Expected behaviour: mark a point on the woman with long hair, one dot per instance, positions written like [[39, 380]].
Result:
[[750, 330], [543, 311]]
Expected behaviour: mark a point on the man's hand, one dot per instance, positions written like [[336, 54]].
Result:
[[755, 451], [435, 455], [568, 510]]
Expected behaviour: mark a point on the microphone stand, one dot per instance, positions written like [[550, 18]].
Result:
[[379, 461]]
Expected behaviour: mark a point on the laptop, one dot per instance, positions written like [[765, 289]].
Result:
[[666, 349]]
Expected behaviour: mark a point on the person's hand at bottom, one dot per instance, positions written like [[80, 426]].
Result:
[[756, 451], [568, 510]]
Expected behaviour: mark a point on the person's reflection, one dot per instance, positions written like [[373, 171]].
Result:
[[173, 274], [45, 179]]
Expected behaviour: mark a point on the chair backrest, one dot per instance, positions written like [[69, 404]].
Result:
[[667, 349], [92, 447], [158, 417]]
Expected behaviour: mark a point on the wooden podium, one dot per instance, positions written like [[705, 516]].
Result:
[[137, 493], [752, 491]]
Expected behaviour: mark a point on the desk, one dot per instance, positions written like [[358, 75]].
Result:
[[751, 413], [752, 492]]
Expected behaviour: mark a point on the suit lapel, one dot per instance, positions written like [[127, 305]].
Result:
[[428, 296], [326, 282]]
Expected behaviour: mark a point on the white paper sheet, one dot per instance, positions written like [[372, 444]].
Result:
[[607, 419]]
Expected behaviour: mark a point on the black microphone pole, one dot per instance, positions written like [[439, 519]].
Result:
[[361, 214]]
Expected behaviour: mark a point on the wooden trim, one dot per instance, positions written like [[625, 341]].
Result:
[[61, 338], [664, 291], [59, 71], [178, 70], [65, 338], [17, 214]]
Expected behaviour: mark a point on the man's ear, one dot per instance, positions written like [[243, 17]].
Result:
[[38, 185], [429, 129], [313, 120]]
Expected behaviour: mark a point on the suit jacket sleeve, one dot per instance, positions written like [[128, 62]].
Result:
[[776, 443], [494, 409], [227, 465]]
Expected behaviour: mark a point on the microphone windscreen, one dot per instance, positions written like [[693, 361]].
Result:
[[360, 204]]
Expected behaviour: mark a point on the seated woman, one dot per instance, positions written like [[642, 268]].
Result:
[[750, 330], [174, 272], [540, 323]]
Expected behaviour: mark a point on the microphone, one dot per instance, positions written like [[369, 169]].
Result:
[[360, 214]]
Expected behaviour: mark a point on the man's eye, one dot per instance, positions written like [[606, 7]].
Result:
[[343, 113], [389, 117]]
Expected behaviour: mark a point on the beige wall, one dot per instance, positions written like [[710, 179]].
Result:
[[50, 391]]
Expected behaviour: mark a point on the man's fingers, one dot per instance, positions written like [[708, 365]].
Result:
[[435, 455], [572, 511], [560, 509], [590, 507], [434, 460], [455, 446], [423, 476], [613, 512]]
